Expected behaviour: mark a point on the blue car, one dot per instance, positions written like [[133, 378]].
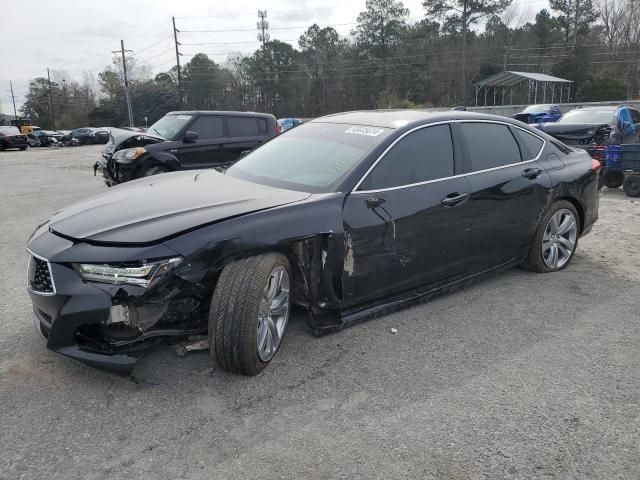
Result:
[[539, 114], [288, 123]]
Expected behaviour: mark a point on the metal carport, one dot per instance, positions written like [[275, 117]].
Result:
[[507, 80]]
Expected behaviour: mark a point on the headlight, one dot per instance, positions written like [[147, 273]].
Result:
[[129, 154], [142, 275]]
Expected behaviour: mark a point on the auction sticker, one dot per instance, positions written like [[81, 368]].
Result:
[[369, 131]]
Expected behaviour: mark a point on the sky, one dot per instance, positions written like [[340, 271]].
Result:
[[79, 36]]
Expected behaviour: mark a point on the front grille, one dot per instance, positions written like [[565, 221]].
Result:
[[40, 276]]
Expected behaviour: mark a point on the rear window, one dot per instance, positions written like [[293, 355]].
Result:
[[243, 127], [588, 116], [531, 143], [490, 145], [9, 131]]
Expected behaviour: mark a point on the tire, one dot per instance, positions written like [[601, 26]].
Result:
[[238, 312], [23, 148], [613, 178], [547, 239], [600, 180], [631, 185], [154, 170]]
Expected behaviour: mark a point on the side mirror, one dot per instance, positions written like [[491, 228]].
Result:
[[190, 137]]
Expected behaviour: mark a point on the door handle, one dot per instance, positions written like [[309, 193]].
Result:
[[373, 202], [531, 173], [454, 199]]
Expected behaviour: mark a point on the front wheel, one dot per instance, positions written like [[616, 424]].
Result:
[[249, 313], [555, 240]]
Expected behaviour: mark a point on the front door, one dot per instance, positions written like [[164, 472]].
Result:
[[406, 224], [207, 150]]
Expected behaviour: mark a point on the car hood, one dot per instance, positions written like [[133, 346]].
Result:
[[153, 209], [118, 137]]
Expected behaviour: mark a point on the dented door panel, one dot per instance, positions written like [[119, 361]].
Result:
[[409, 240]]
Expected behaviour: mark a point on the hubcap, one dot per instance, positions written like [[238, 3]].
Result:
[[273, 314], [559, 239]]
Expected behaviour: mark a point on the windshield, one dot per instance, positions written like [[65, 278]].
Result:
[[588, 116], [169, 126], [9, 131], [314, 157]]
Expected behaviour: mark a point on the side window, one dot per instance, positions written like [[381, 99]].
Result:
[[490, 145], [635, 115], [243, 127], [207, 126], [532, 144], [262, 126], [426, 154]]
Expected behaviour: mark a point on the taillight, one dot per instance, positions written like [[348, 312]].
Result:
[[278, 129], [595, 165]]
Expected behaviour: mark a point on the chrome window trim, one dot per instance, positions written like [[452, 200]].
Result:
[[383, 154], [53, 283]]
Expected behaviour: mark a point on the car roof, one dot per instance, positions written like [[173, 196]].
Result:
[[404, 118], [221, 112], [613, 108]]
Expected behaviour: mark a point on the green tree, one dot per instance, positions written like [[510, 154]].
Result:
[[569, 10], [546, 29], [201, 83], [380, 26], [464, 14]]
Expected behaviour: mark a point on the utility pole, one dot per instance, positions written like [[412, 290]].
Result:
[[263, 26], [464, 53], [175, 39], [126, 81], [13, 98], [575, 24], [53, 120]]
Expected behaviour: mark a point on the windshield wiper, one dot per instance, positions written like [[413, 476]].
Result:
[[157, 132]]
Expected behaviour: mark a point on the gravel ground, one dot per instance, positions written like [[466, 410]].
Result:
[[522, 376]]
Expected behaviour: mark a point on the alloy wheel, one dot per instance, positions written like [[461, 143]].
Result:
[[273, 314], [559, 239]]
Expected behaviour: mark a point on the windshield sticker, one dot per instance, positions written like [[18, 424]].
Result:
[[369, 131], [184, 117]]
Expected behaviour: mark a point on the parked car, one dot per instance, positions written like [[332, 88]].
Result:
[[10, 137], [184, 141], [603, 125], [101, 135], [539, 114], [47, 137], [288, 123], [80, 136], [349, 216]]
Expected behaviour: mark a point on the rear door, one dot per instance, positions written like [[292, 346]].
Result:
[[509, 190], [243, 134], [406, 223], [207, 150]]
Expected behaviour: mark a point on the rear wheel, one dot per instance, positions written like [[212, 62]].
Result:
[[555, 240], [631, 185], [249, 313], [155, 170], [613, 178]]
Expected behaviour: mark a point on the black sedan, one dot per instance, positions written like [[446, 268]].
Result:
[[348, 216], [10, 137]]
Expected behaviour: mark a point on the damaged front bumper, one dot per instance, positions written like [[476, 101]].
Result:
[[98, 323]]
